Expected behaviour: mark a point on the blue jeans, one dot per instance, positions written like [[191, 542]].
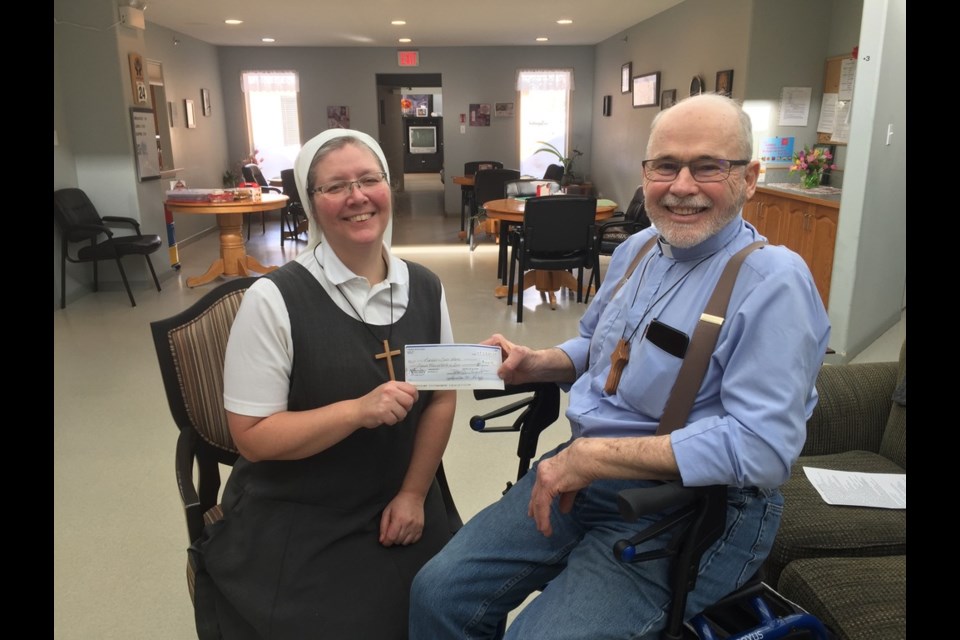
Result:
[[498, 558]]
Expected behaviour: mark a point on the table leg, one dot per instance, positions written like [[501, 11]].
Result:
[[528, 276], [233, 260], [215, 271]]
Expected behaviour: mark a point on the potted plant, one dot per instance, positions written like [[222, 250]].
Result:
[[566, 161]]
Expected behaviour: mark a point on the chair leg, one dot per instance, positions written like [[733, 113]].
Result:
[[123, 276], [153, 273], [510, 281], [580, 284], [520, 290], [63, 278]]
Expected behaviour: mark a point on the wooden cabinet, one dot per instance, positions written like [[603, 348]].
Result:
[[801, 223]]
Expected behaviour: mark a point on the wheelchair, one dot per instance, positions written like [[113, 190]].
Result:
[[698, 517]]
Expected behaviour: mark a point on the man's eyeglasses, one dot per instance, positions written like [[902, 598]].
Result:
[[341, 188], [702, 169]]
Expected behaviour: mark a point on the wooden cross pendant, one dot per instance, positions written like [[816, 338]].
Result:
[[388, 355], [618, 360]]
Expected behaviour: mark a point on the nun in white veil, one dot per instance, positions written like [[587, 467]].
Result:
[[333, 506]]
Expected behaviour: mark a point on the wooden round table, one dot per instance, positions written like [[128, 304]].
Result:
[[233, 260], [547, 282]]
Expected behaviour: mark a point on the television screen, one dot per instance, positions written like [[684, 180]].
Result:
[[423, 139]]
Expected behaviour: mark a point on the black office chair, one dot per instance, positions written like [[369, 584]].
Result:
[[614, 231], [252, 173], [466, 191], [293, 217], [558, 232], [190, 350], [488, 184], [697, 518], [78, 221], [554, 172]]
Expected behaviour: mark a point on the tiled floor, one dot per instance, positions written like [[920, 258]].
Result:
[[119, 532]]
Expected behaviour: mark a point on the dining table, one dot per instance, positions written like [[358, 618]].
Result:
[[510, 210], [233, 260]]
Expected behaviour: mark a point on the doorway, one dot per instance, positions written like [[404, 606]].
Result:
[[411, 104]]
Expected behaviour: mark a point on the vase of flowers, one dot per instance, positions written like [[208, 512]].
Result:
[[811, 164]]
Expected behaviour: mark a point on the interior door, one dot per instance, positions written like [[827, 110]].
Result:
[[391, 133]]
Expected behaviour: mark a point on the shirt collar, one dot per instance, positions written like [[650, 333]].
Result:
[[709, 246]]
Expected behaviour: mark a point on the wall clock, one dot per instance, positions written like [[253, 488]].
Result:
[[696, 86]]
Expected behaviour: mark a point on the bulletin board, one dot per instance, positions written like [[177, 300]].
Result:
[[837, 81]]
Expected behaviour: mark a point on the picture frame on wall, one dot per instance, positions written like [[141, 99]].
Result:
[[725, 82], [191, 113], [668, 98], [145, 143], [503, 110], [626, 74], [205, 102], [646, 90]]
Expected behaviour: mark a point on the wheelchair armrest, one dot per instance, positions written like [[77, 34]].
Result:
[[634, 503]]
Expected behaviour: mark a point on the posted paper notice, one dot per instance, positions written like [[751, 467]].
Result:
[[452, 366], [884, 490]]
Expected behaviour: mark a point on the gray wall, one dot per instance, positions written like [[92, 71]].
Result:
[[347, 76], [755, 38]]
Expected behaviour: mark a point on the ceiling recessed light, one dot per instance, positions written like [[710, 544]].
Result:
[[565, 21], [233, 21], [405, 40], [268, 40], [542, 39], [399, 22]]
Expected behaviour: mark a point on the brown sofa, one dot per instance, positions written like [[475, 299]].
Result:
[[847, 565]]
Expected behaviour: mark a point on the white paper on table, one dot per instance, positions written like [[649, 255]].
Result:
[[452, 366], [883, 490]]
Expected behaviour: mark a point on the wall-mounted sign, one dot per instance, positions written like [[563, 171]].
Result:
[[408, 58], [138, 79]]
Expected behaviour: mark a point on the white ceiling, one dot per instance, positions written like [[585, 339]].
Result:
[[430, 23]]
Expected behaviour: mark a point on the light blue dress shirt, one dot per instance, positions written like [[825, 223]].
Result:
[[748, 422]]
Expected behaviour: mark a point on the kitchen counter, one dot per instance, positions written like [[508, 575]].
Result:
[[826, 196]]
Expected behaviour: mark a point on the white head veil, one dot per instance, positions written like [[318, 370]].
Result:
[[301, 169]]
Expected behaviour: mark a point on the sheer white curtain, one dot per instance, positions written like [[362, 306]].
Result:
[[544, 97], [273, 118]]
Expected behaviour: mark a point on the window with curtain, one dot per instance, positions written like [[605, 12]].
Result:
[[273, 121], [544, 113]]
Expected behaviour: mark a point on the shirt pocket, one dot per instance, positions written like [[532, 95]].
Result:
[[648, 378]]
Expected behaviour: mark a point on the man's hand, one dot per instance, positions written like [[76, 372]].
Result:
[[562, 475], [518, 365]]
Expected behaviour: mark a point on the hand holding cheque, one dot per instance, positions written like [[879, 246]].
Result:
[[452, 366]]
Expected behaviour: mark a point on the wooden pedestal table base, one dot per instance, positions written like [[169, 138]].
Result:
[[546, 282], [233, 260]]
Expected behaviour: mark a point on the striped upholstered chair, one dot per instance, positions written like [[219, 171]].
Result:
[[190, 348]]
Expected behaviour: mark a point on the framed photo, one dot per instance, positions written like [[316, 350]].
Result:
[[626, 72], [503, 110], [422, 111], [480, 115], [191, 114], [205, 101], [145, 143], [668, 98], [338, 117], [725, 82], [646, 89]]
